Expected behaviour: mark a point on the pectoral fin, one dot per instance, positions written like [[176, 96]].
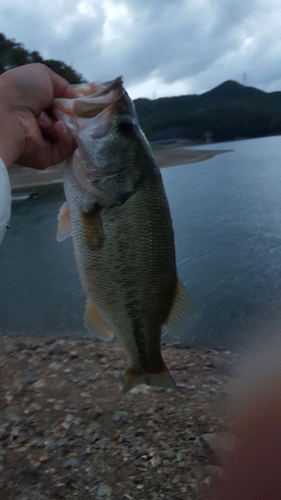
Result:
[[182, 311], [92, 227], [64, 227], [95, 324]]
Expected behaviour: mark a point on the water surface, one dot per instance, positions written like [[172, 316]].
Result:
[[227, 220]]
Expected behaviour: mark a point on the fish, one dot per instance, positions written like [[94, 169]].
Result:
[[117, 213]]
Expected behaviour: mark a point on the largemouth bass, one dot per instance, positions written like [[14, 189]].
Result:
[[118, 215]]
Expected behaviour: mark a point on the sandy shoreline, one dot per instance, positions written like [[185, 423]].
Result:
[[173, 156], [167, 156]]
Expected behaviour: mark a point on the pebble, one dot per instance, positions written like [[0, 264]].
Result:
[[54, 365], [98, 409], [20, 384], [39, 384], [33, 407], [143, 389], [92, 428], [155, 461], [116, 415], [103, 490], [71, 462]]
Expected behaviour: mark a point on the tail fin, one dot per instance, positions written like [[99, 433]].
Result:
[[160, 379]]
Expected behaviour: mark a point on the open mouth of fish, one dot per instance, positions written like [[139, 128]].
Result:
[[91, 113], [91, 100]]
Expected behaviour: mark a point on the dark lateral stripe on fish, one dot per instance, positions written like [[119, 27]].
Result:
[[137, 328], [137, 324]]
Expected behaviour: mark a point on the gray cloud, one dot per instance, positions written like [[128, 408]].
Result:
[[202, 42]]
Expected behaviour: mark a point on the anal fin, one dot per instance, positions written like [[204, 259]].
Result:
[[183, 310], [95, 324]]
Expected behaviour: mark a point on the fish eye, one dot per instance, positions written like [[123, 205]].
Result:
[[125, 125]]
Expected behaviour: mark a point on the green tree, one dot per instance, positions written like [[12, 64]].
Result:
[[64, 70], [13, 54]]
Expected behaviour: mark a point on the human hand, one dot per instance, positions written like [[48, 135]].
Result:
[[29, 135]]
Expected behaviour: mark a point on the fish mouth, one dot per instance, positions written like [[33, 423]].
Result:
[[96, 89], [88, 117], [91, 100]]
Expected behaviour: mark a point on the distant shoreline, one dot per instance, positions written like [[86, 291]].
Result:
[[166, 156], [171, 156]]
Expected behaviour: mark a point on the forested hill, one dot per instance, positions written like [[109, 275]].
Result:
[[13, 54], [229, 111]]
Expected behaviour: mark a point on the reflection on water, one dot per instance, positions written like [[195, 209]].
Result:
[[227, 220]]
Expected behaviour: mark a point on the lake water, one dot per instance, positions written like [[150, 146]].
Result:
[[227, 220]]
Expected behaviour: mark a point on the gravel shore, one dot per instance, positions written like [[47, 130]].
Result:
[[67, 431]]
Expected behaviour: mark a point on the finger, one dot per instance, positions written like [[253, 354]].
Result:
[[61, 86], [47, 125], [46, 149], [54, 130], [56, 147], [65, 144]]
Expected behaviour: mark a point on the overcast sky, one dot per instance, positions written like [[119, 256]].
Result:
[[161, 47]]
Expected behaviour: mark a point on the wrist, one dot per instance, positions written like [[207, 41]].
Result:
[[11, 141], [11, 134]]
